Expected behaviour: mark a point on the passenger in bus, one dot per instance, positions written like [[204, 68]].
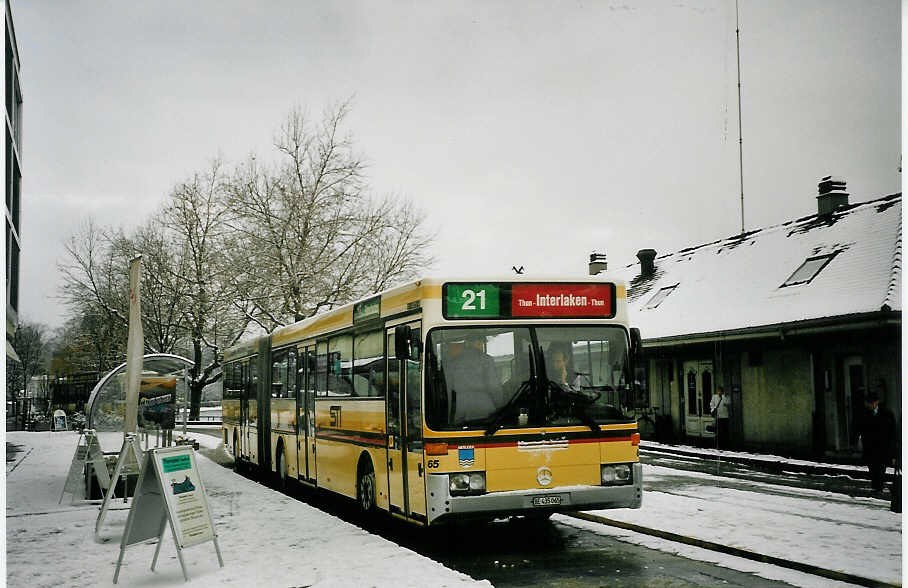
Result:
[[472, 381]]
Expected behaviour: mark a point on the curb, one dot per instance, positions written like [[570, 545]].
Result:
[[19, 461], [736, 551]]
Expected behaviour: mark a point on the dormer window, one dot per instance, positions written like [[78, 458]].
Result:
[[808, 270], [660, 296]]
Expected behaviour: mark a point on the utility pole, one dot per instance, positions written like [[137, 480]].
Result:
[[740, 134]]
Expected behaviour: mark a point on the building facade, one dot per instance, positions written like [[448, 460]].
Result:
[[13, 243], [13, 175], [798, 322]]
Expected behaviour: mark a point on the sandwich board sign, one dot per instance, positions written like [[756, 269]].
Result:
[[59, 420], [169, 492], [89, 452], [130, 454]]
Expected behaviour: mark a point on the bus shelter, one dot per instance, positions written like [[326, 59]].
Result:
[[162, 388]]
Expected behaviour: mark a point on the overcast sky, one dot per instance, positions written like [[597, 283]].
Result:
[[532, 133]]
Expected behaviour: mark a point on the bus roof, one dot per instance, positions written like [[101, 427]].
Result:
[[397, 300]]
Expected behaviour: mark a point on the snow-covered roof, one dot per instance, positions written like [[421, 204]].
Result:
[[756, 279]]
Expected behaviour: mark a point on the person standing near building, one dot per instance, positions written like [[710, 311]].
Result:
[[718, 407], [878, 437]]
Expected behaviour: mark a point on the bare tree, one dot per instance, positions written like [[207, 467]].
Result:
[[96, 281], [30, 342], [197, 215], [307, 235], [263, 245], [87, 343]]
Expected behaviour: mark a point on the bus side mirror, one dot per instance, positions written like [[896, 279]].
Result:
[[636, 345], [402, 335]]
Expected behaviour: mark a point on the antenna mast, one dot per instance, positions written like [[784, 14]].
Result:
[[740, 135]]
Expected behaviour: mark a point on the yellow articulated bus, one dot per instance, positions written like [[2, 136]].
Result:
[[440, 400]]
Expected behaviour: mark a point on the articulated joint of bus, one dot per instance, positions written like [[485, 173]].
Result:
[[462, 495]]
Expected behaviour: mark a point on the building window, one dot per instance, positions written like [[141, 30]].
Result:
[[660, 296], [13, 276], [808, 270]]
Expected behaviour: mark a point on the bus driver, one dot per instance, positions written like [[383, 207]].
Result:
[[561, 370]]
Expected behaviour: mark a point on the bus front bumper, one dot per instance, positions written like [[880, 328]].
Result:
[[442, 506]]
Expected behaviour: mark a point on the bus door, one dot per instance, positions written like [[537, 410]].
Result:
[[305, 414], [698, 386], [240, 432], [406, 473], [244, 411]]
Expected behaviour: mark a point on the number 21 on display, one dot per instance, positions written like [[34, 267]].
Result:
[[470, 302]]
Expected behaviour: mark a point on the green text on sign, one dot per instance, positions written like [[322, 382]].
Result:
[[177, 462], [469, 300]]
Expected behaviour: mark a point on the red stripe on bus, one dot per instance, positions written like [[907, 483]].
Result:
[[352, 439], [569, 441]]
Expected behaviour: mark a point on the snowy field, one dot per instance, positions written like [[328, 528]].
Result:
[[266, 538]]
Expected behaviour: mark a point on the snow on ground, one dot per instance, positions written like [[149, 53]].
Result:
[[266, 538], [709, 452], [858, 536]]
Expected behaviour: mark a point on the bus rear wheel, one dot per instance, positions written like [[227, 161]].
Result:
[[365, 489]]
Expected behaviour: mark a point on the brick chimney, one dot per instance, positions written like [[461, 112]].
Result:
[[647, 259], [832, 194], [597, 263]]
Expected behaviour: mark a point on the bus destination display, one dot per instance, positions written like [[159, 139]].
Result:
[[543, 300]]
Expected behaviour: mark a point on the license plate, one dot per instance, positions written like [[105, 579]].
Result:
[[546, 500]]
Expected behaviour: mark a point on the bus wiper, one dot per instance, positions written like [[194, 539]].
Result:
[[500, 413], [529, 384], [582, 413], [578, 402]]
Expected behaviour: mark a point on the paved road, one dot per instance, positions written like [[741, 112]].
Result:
[[518, 552]]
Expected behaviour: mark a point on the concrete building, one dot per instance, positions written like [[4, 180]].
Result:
[[797, 321], [13, 178], [13, 244]]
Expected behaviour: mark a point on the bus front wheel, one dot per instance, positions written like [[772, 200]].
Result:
[[365, 488]]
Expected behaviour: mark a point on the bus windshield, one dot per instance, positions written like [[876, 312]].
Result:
[[513, 377]]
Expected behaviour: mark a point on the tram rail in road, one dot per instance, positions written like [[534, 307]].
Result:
[[736, 551]]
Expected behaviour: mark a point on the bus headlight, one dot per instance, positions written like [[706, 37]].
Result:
[[616, 474], [467, 483]]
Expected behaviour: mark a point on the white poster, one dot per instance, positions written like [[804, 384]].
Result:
[[184, 495]]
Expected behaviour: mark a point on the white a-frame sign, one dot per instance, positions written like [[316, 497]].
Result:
[[89, 452], [130, 451], [169, 491]]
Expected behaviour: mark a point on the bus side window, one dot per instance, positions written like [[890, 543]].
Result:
[[393, 395], [340, 366], [414, 396], [321, 369], [252, 389], [279, 375], [368, 365], [290, 388]]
